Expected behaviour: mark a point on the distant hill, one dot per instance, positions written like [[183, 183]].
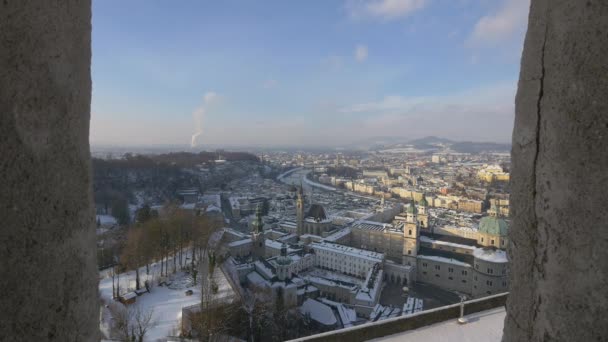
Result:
[[430, 140], [433, 143], [478, 147]]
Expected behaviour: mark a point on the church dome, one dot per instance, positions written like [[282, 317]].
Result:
[[423, 202], [283, 259], [317, 212], [492, 225], [411, 209]]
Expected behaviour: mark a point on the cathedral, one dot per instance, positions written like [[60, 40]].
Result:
[[315, 222]]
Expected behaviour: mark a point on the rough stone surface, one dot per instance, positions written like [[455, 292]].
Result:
[[48, 282], [559, 233]]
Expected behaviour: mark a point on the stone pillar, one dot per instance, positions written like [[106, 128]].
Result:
[[559, 182], [48, 276]]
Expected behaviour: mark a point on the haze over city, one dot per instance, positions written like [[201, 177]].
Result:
[[323, 73]]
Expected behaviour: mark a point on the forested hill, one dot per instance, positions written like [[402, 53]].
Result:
[[156, 178], [186, 159]]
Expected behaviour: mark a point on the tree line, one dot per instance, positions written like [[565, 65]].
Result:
[[175, 238]]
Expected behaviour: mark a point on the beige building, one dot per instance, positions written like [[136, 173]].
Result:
[[493, 173], [470, 205], [460, 267]]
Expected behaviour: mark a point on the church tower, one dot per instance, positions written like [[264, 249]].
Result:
[[283, 263], [258, 237], [411, 236], [300, 211], [423, 216]]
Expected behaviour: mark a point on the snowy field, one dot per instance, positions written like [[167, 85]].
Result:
[[166, 302]]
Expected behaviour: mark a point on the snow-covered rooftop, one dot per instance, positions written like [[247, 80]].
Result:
[[239, 242], [338, 235], [445, 260], [498, 255], [445, 243], [106, 220], [319, 312], [361, 253]]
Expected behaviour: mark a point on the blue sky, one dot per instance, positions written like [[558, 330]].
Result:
[[303, 73]]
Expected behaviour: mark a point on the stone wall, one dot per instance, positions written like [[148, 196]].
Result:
[[392, 326], [559, 234], [49, 277]]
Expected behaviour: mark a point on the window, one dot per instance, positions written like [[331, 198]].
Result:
[[464, 273], [437, 275], [424, 264], [424, 272], [409, 251], [492, 241], [481, 239], [504, 284], [450, 278], [489, 282], [437, 267], [410, 231], [451, 270], [464, 281]]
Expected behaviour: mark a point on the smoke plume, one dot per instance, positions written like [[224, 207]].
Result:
[[199, 114]]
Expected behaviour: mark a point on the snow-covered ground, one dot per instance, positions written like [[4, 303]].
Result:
[[166, 302]]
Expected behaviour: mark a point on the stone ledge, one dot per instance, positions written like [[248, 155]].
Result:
[[396, 325]]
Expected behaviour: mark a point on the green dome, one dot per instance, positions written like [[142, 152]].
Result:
[[493, 226], [423, 202], [411, 209]]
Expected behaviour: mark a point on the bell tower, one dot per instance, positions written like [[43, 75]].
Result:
[[300, 211], [411, 236], [258, 236], [423, 216]]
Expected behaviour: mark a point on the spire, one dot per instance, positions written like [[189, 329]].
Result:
[[494, 212], [257, 224], [423, 202]]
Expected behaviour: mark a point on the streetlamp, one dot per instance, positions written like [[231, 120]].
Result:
[[462, 319]]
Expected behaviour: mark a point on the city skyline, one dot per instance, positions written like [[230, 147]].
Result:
[[304, 74]]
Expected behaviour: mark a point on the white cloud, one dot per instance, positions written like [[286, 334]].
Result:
[[480, 114], [384, 9], [485, 97], [504, 24], [361, 53]]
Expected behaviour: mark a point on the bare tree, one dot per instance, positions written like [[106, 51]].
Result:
[[122, 317], [142, 322], [130, 323]]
